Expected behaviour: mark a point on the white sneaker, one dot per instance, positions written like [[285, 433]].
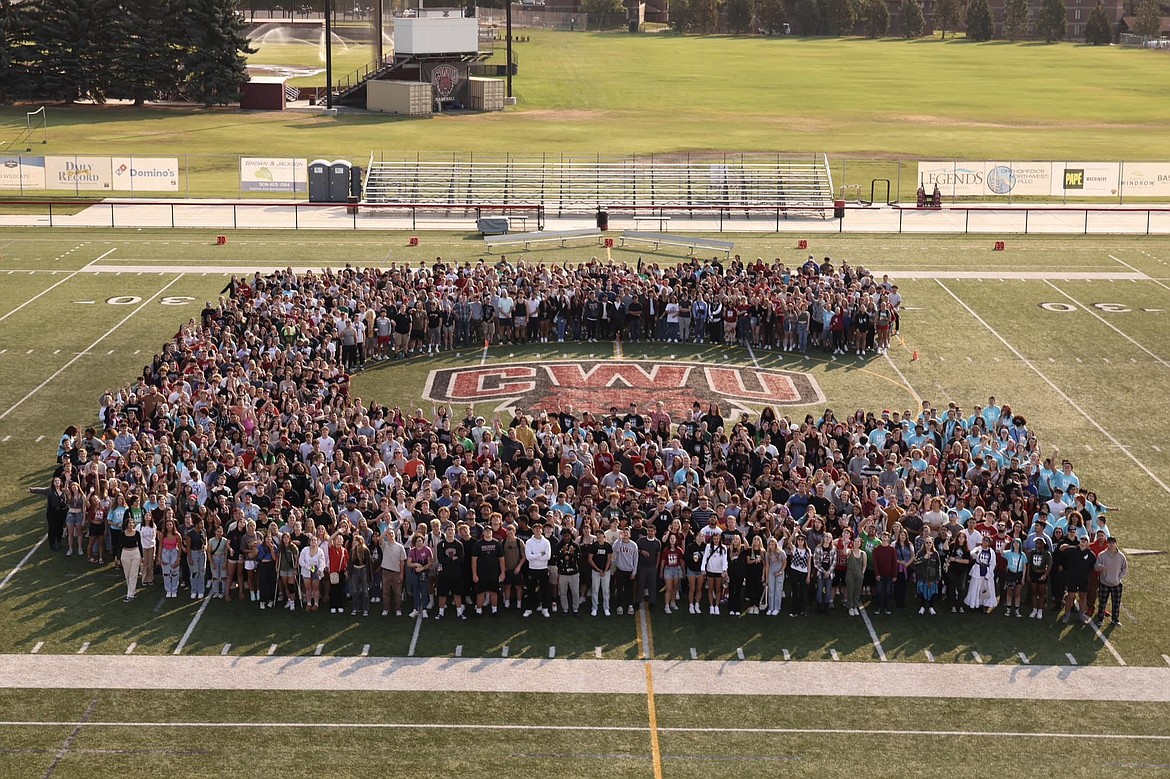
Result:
[[933, 612], [607, 612], [593, 612], [528, 612], [545, 612], [425, 614], [69, 553], [922, 610], [666, 608], [414, 613]]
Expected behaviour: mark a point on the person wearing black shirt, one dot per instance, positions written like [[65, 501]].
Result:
[[1079, 561], [449, 580], [567, 557], [693, 561], [601, 565], [649, 550], [487, 571]]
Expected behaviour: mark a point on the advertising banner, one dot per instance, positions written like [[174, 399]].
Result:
[[22, 173], [146, 174], [1145, 179], [79, 173], [273, 174], [1085, 179], [986, 179]]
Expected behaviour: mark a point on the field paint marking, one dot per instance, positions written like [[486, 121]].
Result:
[[694, 654], [1108, 644], [68, 745], [1166, 658], [1108, 324], [644, 635], [7, 438], [787, 656], [483, 357], [24, 560], [1058, 391], [504, 651], [320, 648], [834, 655], [1135, 270], [130, 649], [191, 628], [579, 728], [652, 712], [84, 648], [50, 289], [1023, 658], [271, 649], [40, 438], [226, 648], [978, 657], [1157, 448], [929, 655], [37, 647], [459, 650], [739, 652], [414, 639], [552, 652], [1071, 660], [101, 338], [905, 381], [873, 636], [597, 652], [617, 348], [365, 650]]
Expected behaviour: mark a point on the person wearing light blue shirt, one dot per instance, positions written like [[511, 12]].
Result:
[[991, 414]]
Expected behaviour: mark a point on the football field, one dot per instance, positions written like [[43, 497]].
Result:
[[1072, 332]]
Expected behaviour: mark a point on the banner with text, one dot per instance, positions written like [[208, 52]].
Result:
[[22, 173], [1046, 179], [146, 174], [79, 173], [273, 174], [1145, 179]]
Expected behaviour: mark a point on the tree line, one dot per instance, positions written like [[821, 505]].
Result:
[[873, 18], [139, 50]]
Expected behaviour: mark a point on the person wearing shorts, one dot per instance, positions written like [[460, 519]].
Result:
[[670, 565], [1079, 562], [486, 572], [1039, 566]]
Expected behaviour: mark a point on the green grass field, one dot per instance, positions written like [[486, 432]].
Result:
[[871, 101]]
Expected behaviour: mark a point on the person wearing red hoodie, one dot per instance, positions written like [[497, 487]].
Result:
[[885, 568]]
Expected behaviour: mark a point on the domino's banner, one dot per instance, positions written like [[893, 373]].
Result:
[[146, 174]]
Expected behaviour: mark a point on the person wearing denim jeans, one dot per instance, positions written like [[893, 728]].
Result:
[[775, 561], [418, 565]]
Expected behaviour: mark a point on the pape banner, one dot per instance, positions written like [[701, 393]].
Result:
[[273, 174]]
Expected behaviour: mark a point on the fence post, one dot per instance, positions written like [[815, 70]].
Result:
[[967, 221], [1086, 222], [900, 221], [296, 217], [1147, 221], [51, 218], [233, 216], [172, 216], [1026, 212], [111, 214]]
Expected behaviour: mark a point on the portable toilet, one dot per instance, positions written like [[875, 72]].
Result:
[[339, 171], [319, 182]]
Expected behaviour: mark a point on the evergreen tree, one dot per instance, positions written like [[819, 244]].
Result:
[[707, 16], [877, 18], [1098, 30], [213, 63], [842, 17], [771, 14], [14, 51], [682, 15], [913, 22], [946, 16], [1052, 21], [72, 55], [739, 16], [1015, 19], [980, 23], [148, 51], [808, 17], [1148, 23]]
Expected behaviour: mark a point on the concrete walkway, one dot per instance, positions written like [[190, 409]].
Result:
[[886, 680]]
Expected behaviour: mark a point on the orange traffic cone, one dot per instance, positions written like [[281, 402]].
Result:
[[914, 357]]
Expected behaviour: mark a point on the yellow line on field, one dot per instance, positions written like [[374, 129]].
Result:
[[653, 713]]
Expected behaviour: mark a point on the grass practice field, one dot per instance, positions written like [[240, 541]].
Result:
[[1085, 361], [614, 94]]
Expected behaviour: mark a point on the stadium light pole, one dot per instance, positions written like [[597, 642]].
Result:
[[328, 54], [508, 27]]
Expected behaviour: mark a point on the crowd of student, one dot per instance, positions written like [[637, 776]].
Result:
[[240, 465]]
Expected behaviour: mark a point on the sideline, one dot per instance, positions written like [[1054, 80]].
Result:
[[670, 677], [87, 349]]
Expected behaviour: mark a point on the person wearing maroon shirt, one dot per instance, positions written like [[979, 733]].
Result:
[[885, 566]]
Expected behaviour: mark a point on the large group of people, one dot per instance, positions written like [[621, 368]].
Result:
[[240, 465]]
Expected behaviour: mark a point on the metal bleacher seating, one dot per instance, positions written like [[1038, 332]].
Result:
[[766, 183]]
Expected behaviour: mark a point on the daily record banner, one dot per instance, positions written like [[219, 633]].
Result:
[[88, 174], [1046, 179], [273, 174]]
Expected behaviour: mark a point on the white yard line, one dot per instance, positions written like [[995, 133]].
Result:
[[905, 382], [1108, 644], [873, 636], [36, 297], [414, 639], [101, 338], [23, 560], [191, 628], [1112, 438], [1108, 324], [1135, 270]]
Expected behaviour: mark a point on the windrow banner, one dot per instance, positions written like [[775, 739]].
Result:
[[273, 174], [989, 179]]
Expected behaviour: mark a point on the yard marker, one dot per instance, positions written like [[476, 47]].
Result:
[[787, 657], [2, 351], [138, 351], [40, 644], [597, 652], [130, 649], [226, 648], [40, 438], [978, 657], [929, 656], [320, 648], [873, 636], [1051, 360], [1106, 359], [365, 650], [7, 438], [459, 650], [1071, 660], [1023, 658], [1157, 448], [56, 352], [552, 652], [1080, 360], [739, 652], [30, 351], [1166, 658], [83, 649], [109, 352], [694, 654], [271, 649], [1145, 469], [834, 655], [1088, 448], [504, 651]]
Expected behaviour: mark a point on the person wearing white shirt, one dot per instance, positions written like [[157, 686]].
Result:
[[538, 552]]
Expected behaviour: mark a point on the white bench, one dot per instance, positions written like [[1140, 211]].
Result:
[[663, 239], [544, 236], [663, 221]]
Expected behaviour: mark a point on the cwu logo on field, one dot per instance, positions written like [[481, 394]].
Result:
[[1001, 180]]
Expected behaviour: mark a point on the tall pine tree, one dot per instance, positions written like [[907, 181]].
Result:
[[73, 54], [1052, 21], [1015, 19], [14, 51], [842, 16], [980, 23], [213, 61], [808, 17], [1098, 30], [771, 14], [877, 18], [148, 51], [913, 22], [946, 16], [739, 16]]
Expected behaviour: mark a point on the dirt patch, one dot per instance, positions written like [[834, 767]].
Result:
[[564, 114]]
